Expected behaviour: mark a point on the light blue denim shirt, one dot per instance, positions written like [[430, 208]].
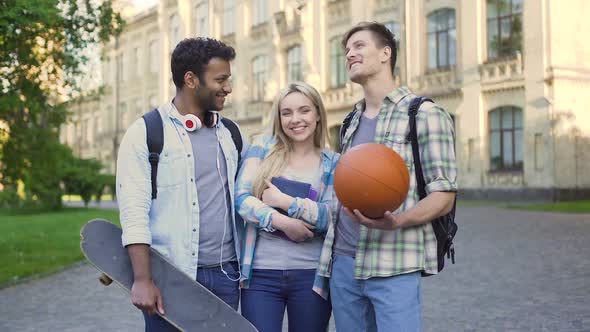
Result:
[[170, 223]]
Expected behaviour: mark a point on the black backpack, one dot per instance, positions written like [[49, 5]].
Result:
[[155, 141], [444, 227]]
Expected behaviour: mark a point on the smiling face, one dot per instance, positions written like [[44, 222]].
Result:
[[214, 86], [364, 58], [299, 118]]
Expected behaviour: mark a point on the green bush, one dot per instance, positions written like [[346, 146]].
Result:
[[82, 177], [10, 199]]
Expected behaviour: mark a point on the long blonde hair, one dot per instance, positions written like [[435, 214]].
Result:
[[276, 161]]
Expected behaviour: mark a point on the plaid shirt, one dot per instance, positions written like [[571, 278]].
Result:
[[388, 253], [257, 215]]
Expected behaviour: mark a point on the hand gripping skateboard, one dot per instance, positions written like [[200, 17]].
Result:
[[189, 305]]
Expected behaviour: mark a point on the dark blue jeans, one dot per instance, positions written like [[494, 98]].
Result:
[[215, 281], [263, 303]]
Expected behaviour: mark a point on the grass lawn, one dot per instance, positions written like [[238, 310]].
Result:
[[563, 207], [42, 242]]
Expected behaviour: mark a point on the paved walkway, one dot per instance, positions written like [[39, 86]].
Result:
[[516, 271]]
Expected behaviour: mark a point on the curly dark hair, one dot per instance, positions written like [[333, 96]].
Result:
[[383, 37], [193, 54]]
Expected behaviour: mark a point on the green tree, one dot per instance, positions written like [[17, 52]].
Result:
[[82, 177], [41, 45]]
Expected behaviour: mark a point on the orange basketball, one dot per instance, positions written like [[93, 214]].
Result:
[[371, 178]]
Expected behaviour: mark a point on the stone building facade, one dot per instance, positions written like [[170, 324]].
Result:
[[514, 74]]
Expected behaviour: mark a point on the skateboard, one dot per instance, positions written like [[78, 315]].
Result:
[[189, 305]]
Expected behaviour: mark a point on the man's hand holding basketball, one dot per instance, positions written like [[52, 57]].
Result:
[[389, 222]]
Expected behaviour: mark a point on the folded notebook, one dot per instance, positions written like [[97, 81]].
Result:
[[293, 189]]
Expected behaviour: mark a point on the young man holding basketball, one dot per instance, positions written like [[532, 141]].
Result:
[[375, 265]]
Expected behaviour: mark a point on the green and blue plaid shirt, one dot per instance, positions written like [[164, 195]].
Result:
[[388, 253]]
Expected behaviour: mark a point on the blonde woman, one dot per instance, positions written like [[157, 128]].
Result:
[[279, 272]]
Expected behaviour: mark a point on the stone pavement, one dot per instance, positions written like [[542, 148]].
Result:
[[515, 271]]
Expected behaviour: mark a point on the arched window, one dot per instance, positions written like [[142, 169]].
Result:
[[506, 138], [442, 39]]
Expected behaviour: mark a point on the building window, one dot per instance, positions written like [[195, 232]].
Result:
[[394, 28], [294, 70], [228, 17], [175, 31], [259, 12], [154, 59], [259, 77], [442, 39], [202, 22], [504, 28], [137, 62], [506, 140], [337, 64]]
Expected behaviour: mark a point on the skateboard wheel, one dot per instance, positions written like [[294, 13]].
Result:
[[105, 280]]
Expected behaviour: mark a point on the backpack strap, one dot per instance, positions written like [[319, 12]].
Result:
[[345, 124], [413, 138], [155, 143], [235, 136]]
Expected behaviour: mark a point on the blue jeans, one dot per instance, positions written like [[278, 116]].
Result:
[[375, 304], [215, 281], [263, 303]]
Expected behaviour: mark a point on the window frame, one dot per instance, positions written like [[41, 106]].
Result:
[[448, 32], [153, 53], [259, 77], [338, 75], [229, 26], [496, 21], [512, 131], [202, 19], [294, 63], [260, 13]]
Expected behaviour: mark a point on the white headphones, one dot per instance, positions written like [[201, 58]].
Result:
[[191, 122]]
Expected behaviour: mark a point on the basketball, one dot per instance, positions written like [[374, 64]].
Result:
[[371, 178]]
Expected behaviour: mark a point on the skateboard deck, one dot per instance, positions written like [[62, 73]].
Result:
[[189, 306]]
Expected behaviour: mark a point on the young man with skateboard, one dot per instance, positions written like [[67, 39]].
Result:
[[186, 212]]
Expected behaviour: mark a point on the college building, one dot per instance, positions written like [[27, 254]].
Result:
[[514, 75]]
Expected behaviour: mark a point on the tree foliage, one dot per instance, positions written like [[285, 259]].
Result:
[[40, 58], [82, 178]]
